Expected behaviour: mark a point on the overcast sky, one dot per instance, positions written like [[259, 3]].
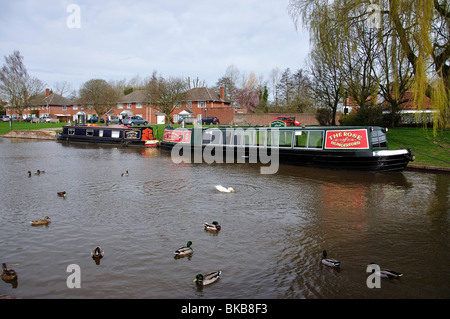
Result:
[[115, 40]]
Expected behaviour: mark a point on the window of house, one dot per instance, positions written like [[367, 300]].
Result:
[[64, 107], [129, 105], [120, 106], [202, 104], [139, 105], [75, 107], [189, 105]]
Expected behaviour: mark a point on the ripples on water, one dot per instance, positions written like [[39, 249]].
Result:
[[274, 227]]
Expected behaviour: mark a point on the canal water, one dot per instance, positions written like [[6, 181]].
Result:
[[274, 227]]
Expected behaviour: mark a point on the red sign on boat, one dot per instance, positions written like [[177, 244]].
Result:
[[347, 139]]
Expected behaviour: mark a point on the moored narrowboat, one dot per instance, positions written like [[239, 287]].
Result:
[[112, 134], [346, 148]]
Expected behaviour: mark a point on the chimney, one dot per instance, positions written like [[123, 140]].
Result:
[[222, 93], [47, 92]]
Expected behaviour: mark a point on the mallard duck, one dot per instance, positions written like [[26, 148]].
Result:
[[8, 274], [390, 274], [29, 174], [97, 253], [184, 251], [214, 226], [329, 261], [203, 280], [125, 174], [222, 189], [38, 222], [39, 172], [62, 194]]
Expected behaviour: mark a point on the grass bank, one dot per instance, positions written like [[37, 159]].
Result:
[[429, 150]]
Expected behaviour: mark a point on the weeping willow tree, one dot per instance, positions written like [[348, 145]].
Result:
[[420, 30]]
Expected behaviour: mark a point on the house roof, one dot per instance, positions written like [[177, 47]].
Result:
[[52, 99], [138, 96], [203, 94]]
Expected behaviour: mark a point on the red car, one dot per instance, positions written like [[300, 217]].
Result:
[[289, 120]]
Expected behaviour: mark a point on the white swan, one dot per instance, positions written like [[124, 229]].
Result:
[[222, 189]]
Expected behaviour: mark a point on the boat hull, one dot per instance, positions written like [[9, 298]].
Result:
[[369, 161]]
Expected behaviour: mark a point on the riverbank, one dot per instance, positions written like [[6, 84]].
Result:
[[431, 152]]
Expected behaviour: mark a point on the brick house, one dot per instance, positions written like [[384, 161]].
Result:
[[46, 104], [205, 102], [200, 103]]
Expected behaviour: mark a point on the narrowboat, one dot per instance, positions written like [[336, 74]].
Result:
[[343, 148], [112, 134]]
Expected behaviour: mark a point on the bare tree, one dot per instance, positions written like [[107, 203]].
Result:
[[166, 94], [16, 85], [100, 94]]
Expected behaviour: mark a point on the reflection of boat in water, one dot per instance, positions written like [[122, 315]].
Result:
[[342, 148], [113, 134]]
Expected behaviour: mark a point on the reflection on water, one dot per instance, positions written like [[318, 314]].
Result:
[[274, 227]]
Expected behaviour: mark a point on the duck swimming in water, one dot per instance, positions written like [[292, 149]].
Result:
[[222, 189], [97, 253], [125, 174], [62, 194], [39, 222], [185, 250], [204, 280], [214, 226], [329, 261], [390, 274], [8, 274]]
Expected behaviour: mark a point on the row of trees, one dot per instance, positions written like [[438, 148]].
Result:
[[365, 51]]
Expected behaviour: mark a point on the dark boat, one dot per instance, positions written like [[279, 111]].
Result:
[[112, 134], [344, 148]]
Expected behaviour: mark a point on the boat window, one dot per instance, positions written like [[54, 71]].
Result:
[[90, 132], [238, 137], [71, 131], [379, 139], [315, 139], [285, 138], [100, 133], [301, 138], [249, 137], [115, 134], [261, 137]]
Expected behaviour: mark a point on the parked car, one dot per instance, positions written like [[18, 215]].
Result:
[[94, 119], [6, 118], [134, 120], [289, 120], [210, 120], [115, 120], [31, 119], [46, 119], [186, 120]]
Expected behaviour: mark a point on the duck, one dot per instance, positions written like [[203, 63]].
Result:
[[390, 274], [329, 261], [125, 174], [62, 194], [204, 280], [39, 172], [214, 226], [29, 174], [97, 253], [38, 222], [222, 189], [184, 251], [8, 274]]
